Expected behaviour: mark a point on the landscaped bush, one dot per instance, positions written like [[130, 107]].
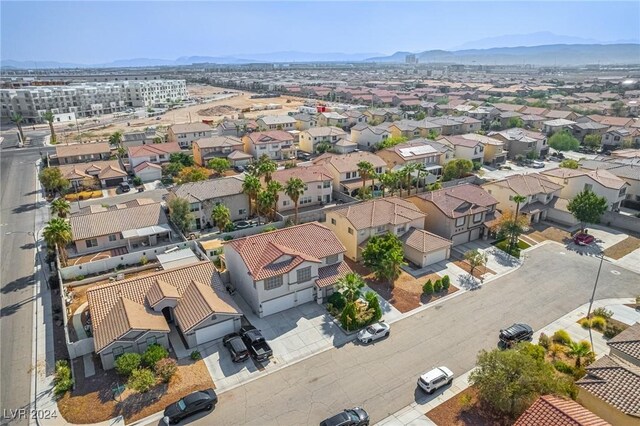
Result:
[[128, 362], [427, 288], [227, 237], [563, 367], [585, 323], [373, 304], [612, 330], [137, 181], [446, 282], [63, 382], [166, 368], [195, 355], [141, 380], [437, 286], [598, 323], [153, 354], [562, 337], [466, 401], [337, 300], [544, 341], [144, 260], [555, 349], [602, 312]]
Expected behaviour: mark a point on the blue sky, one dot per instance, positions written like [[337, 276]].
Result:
[[96, 32]]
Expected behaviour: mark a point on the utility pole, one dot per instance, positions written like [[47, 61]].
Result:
[[593, 294]]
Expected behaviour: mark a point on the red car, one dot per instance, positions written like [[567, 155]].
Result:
[[583, 239]]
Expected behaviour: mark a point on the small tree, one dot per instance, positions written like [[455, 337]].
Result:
[[137, 181], [49, 117], [569, 164], [127, 362], [384, 254], [182, 158], [221, 216], [63, 382], [180, 214], [192, 174], [219, 165], [510, 228], [373, 304], [515, 122], [437, 286], [391, 142], [153, 354], [348, 317], [141, 380], [115, 138], [350, 286], [166, 368], [52, 180], [563, 141], [587, 207], [618, 108], [592, 141], [427, 288], [475, 258], [446, 282], [456, 169], [579, 350]]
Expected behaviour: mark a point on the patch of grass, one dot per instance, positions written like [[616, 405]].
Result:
[[504, 246]]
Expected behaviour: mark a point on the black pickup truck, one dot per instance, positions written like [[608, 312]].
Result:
[[256, 343]]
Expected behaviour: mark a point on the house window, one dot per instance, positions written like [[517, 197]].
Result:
[[333, 221], [588, 187], [304, 274], [326, 184], [349, 230], [242, 211], [381, 229], [460, 221], [117, 352], [113, 237], [623, 190], [332, 259], [348, 175], [477, 217], [92, 243], [152, 340], [402, 229], [273, 282]]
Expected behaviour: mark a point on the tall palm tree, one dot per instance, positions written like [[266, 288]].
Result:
[[275, 187], [294, 188], [264, 202], [18, 119], [408, 170], [265, 167], [221, 216], [57, 234], [518, 199], [60, 207], [350, 286], [49, 117], [115, 138], [579, 350], [365, 170], [420, 168], [251, 186]]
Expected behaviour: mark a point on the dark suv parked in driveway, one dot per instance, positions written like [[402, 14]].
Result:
[[515, 334], [236, 346]]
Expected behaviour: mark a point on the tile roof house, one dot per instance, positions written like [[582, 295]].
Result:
[[157, 153], [550, 410], [310, 138], [276, 122], [318, 186], [109, 173], [520, 142], [344, 169], [355, 224], [557, 125], [332, 118], [431, 155], [460, 213], [626, 345], [367, 136], [81, 153], [617, 137], [277, 144], [128, 228], [422, 248], [278, 270], [412, 129], [465, 147], [185, 133], [206, 149], [128, 316]]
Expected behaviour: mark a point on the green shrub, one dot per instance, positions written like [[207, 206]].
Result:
[[563, 367], [337, 300], [144, 260], [466, 401], [137, 181], [166, 368], [446, 282], [195, 355], [598, 323], [544, 341], [373, 304], [63, 382], [153, 354], [128, 362], [562, 337], [227, 237], [437, 287], [427, 288], [349, 317], [269, 229], [579, 372], [141, 380], [585, 323], [602, 312], [612, 330], [534, 351]]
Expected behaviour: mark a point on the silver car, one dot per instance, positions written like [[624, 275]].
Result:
[[374, 332]]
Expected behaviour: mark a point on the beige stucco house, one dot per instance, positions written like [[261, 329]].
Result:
[[318, 187], [310, 138], [276, 144], [184, 134], [344, 169]]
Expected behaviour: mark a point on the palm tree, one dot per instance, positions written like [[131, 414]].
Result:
[[408, 170], [251, 186], [365, 170], [115, 138], [60, 207], [221, 216], [350, 286], [516, 199], [18, 119], [49, 117], [265, 167], [264, 202], [579, 350], [275, 187], [294, 188], [420, 168], [57, 234]]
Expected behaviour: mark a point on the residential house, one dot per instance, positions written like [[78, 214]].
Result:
[[278, 270], [126, 227], [367, 136], [537, 190], [381, 115], [237, 128], [505, 117], [422, 248], [147, 137], [486, 114], [206, 149], [460, 213], [203, 196], [305, 121], [104, 174], [602, 182], [355, 116], [148, 172], [465, 147], [81, 153], [618, 137], [130, 315], [520, 142], [563, 115], [184, 134], [345, 146], [332, 118], [344, 169], [535, 111], [412, 129], [355, 224], [626, 345], [452, 125], [276, 122], [580, 130], [309, 139], [157, 153], [551, 410], [533, 121], [317, 191], [276, 144], [557, 125], [418, 151]]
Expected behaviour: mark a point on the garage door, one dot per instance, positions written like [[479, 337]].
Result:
[[475, 234], [112, 182], [280, 304], [460, 238], [305, 296], [215, 331], [437, 256]]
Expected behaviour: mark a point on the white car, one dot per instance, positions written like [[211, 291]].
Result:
[[373, 332], [434, 379]]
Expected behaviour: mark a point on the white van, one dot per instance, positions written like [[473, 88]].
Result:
[[434, 379]]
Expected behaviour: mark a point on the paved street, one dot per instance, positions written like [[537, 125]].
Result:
[[382, 377]]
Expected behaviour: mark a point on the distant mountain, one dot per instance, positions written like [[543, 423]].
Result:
[[556, 54], [541, 38]]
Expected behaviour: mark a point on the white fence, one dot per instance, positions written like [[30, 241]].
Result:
[[630, 223]]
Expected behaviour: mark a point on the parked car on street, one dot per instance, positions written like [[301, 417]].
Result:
[[124, 187], [204, 400], [258, 347], [435, 379], [349, 417], [239, 169], [238, 350], [515, 334], [374, 332], [583, 239], [537, 165]]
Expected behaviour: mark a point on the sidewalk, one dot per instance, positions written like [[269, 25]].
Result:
[[414, 414]]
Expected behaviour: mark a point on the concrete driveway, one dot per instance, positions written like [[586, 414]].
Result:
[[605, 238], [294, 334]]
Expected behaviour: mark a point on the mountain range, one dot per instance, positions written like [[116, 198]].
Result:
[[540, 38]]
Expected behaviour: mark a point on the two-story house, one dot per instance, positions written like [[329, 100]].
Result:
[[418, 151], [558, 125], [580, 130], [318, 186], [468, 148], [203, 196], [600, 181], [80, 153], [305, 121], [281, 269], [276, 122], [157, 153], [184, 134], [332, 118], [617, 137], [520, 142], [276, 144], [537, 189], [452, 125], [354, 117], [310, 138], [412, 129], [367, 136], [206, 149], [344, 169], [460, 213]]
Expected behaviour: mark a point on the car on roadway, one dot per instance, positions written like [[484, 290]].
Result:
[[239, 169], [435, 379], [204, 400], [350, 417], [238, 350], [583, 239], [373, 332], [515, 334]]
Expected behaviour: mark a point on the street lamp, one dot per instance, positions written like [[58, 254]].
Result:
[[593, 295]]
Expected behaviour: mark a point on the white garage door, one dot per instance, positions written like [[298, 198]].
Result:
[[437, 256], [460, 238], [280, 304], [475, 234], [305, 296], [215, 331]]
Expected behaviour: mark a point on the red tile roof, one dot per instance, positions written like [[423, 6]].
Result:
[[461, 200], [549, 410], [272, 136], [154, 149]]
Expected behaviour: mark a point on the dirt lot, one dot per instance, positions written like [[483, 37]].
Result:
[[623, 248], [543, 233], [454, 413], [92, 400]]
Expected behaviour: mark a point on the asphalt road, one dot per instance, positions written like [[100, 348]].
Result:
[[382, 377], [17, 202]]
